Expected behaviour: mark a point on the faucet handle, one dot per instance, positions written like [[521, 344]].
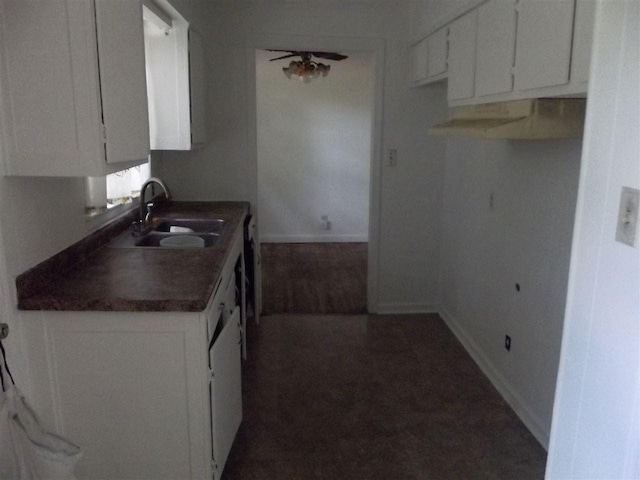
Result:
[[148, 215]]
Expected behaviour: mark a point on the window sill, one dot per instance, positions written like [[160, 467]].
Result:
[[98, 220]]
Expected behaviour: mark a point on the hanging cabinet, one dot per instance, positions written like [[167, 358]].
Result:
[[462, 57], [429, 57], [495, 47], [74, 98], [419, 54], [503, 50], [543, 45], [176, 80]]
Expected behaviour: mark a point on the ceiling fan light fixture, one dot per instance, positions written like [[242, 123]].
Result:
[[324, 69], [305, 68], [291, 69]]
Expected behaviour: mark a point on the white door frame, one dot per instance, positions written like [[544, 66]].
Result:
[[374, 46]]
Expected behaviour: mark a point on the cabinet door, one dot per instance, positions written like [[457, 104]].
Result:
[[123, 396], [437, 48], [50, 88], [225, 389], [496, 47], [462, 57], [419, 55], [543, 52], [167, 64], [582, 40], [197, 91], [123, 79]]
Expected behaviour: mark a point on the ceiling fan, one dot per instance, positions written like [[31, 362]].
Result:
[[305, 68]]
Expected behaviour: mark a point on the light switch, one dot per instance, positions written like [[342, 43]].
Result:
[[626, 231]]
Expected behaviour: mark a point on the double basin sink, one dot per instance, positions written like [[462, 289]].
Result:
[[174, 233]]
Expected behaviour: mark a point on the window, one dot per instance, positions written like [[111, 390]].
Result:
[[120, 188]]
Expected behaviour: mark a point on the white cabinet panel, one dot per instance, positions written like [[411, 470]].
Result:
[[58, 83], [437, 48], [131, 388], [226, 388], [582, 40], [197, 91], [419, 55], [176, 79], [122, 79], [496, 47], [543, 52], [462, 57]]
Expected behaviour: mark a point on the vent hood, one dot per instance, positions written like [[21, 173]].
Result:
[[519, 119]]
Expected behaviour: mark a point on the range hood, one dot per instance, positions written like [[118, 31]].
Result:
[[518, 119]]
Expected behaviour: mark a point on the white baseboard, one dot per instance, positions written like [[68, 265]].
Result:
[[314, 238], [517, 403], [390, 308]]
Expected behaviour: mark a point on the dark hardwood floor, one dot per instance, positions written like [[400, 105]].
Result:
[[314, 278], [372, 397]]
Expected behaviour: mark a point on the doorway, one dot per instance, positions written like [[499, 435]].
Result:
[[314, 151]]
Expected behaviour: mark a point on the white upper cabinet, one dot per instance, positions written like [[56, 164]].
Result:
[[73, 86], [496, 47], [543, 45], [197, 88], [429, 57], [121, 54], [517, 49], [462, 57], [582, 40], [419, 55], [437, 47], [175, 76]]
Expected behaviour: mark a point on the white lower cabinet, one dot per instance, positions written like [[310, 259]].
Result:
[[225, 389], [145, 394]]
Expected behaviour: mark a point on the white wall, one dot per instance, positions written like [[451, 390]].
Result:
[[409, 201], [314, 150], [596, 431], [39, 218], [507, 219]]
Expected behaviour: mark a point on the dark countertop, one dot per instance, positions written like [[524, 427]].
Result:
[[96, 276]]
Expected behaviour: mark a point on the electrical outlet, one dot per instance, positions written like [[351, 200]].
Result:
[[326, 224], [626, 231], [4, 331], [507, 343]]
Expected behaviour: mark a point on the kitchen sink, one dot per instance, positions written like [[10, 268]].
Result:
[[177, 240], [185, 225], [159, 239]]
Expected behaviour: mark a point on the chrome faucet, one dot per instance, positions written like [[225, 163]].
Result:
[[142, 226]]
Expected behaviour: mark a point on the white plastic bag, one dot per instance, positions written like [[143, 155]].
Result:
[[27, 452]]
